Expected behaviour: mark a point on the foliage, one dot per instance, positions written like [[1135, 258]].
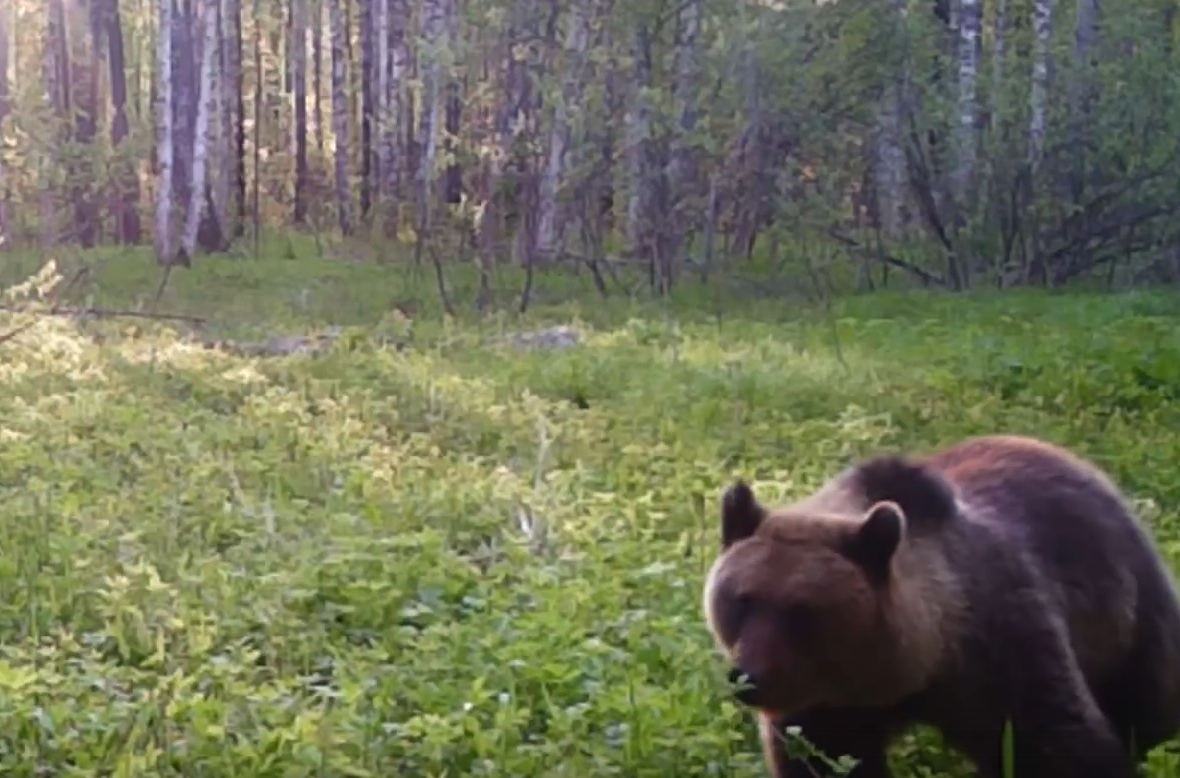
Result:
[[461, 557]]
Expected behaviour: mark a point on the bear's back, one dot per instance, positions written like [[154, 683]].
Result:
[[1040, 520]]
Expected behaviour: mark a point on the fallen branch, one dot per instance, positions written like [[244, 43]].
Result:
[[102, 313], [901, 264]]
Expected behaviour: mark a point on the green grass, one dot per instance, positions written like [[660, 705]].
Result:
[[462, 558]]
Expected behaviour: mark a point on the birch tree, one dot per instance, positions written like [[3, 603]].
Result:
[[206, 105], [969, 19], [434, 54], [164, 136], [1039, 93]]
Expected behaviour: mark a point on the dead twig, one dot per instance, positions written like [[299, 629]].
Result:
[[106, 313]]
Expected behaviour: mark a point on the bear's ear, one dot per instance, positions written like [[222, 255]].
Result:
[[741, 513], [874, 543], [922, 494]]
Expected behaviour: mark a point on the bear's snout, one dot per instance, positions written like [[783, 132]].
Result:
[[748, 691]]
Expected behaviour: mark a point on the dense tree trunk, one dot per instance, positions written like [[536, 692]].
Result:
[[56, 67], [680, 169], [84, 72], [1082, 91], [640, 213], [235, 83], [5, 110], [126, 199], [340, 107], [577, 44], [434, 40], [316, 33], [889, 162], [397, 121], [299, 85], [453, 180], [368, 106]]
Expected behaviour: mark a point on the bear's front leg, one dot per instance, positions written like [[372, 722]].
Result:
[[834, 734], [1060, 732], [1069, 748]]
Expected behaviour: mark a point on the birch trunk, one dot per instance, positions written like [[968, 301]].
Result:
[[1039, 93], [207, 101], [969, 18], [434, 48], [164, 145]]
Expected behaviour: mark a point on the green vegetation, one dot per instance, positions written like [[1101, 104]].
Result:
[[460, 556]]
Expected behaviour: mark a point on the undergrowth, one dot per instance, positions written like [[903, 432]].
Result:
[[436, 553]]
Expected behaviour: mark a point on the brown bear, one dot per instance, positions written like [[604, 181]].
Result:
[[1000, 581]]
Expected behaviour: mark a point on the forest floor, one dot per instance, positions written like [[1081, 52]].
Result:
[[452, 549]]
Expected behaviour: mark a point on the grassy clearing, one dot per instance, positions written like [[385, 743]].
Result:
[[462, 558]]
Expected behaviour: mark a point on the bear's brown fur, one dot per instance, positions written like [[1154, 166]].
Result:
[[1000, 580]]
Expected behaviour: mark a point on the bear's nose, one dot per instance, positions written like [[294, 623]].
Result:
[[747, 692]]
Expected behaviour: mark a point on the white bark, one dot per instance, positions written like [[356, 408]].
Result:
[[1039, 93], [164, 147], [434, 35], [970, 19], [380, 87], [207, 99]]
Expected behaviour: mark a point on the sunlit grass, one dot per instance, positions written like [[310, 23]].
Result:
[[459, 556]]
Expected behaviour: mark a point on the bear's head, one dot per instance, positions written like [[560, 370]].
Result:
[[805, 600]]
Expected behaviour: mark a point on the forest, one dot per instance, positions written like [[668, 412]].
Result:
[[373, 369], [954, 144]]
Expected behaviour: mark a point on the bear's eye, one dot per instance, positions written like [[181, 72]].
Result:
[[743, 606], [800, 618], [736, 612]]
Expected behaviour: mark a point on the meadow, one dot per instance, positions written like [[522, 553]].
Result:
[[438, 548]]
